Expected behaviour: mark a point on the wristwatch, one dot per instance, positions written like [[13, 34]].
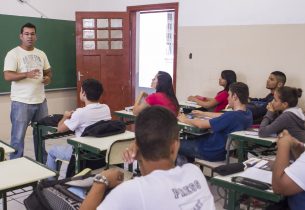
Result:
[[101, 179]]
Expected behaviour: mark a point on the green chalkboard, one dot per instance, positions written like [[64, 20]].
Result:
[[55, 37]]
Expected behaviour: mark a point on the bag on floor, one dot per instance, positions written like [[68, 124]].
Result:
[[59, 194]]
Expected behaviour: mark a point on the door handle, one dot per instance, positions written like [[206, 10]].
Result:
[[79, 75]]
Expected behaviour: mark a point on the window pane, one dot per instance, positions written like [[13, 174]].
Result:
[[102, 45], [88, 34], [88, 45], [102, 34], [102, 23], [116, 34], [116, 45], [116, 23], [88, 23]]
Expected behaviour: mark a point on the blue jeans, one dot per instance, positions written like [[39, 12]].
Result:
[[21, 116], [198, 148], [63, 152]]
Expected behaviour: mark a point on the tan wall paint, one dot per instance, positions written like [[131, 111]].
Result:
[[252, 51], [58, 102]]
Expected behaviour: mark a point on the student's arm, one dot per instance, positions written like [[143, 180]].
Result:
[[195, 122], [130, 153], [16, 76], [208, 103], [272, 125], [281, 182], [198, 113], [139, 105], [61, 127], [97, 191], [47, 76]]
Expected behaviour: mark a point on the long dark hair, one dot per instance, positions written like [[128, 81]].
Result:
[[165, 85], [229, 76]]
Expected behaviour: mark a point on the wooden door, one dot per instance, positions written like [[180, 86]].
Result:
[[102, 53]]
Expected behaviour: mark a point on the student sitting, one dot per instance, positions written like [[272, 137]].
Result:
[[290, 180], [162, 185], [211, 147], [78, 120], [292, 117], [258, 106], [221, 99], [164, 96]]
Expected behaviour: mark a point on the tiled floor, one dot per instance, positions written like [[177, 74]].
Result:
[[15, 202]]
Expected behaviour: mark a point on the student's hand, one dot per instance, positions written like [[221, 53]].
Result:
[[191, 98], [182, 118], [201, 98], [129, 155], [68, 114], [285, 138], [33, 74], [143, 94], [198, 113], [46, 80], [270, 107], [114, 176]]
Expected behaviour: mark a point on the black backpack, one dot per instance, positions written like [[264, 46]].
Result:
[[54, 195], [104, 128]]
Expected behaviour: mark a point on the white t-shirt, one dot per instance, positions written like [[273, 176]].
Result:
[[88, 115], [29, 91], [180, 188], [296, 171]]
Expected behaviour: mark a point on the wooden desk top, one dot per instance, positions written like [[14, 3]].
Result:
[[188, 104], [243, 134], [102, 143], [7, 148], [22, 171]]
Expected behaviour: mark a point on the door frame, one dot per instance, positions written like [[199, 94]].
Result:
[[132, 10]]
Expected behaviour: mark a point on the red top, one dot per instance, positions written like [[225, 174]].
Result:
[[160, 99], [222, 99]]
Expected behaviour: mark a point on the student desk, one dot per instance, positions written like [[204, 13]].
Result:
[[236, 189], [129, 117], [19, 173], [43, 133], [5, 149], [244, 139], [189, 105], [95, 145]]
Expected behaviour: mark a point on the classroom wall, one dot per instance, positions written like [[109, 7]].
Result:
[[252, 37]]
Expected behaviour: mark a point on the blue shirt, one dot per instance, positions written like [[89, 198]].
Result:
[[212, 147]]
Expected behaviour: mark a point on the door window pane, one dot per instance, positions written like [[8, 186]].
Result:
[[88, 45], [116, 23], [88, 23], [102, 45], [116, 34], [102, 23], [116, 45], [88, 34], [102, 34]]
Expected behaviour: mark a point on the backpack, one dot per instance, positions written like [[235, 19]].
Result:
[[51, 120], [56, 194], [105, 128]]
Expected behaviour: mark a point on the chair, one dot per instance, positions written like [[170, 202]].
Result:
[[114, 157], [114, 153]]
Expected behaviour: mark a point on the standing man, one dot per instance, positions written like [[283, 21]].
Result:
[[29, 71]]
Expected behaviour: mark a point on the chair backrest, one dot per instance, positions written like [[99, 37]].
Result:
[[115, 152]]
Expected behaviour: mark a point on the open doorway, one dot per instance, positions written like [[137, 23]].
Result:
[[153, 43]]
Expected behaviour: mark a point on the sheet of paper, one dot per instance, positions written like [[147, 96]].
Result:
[[258, 174]]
